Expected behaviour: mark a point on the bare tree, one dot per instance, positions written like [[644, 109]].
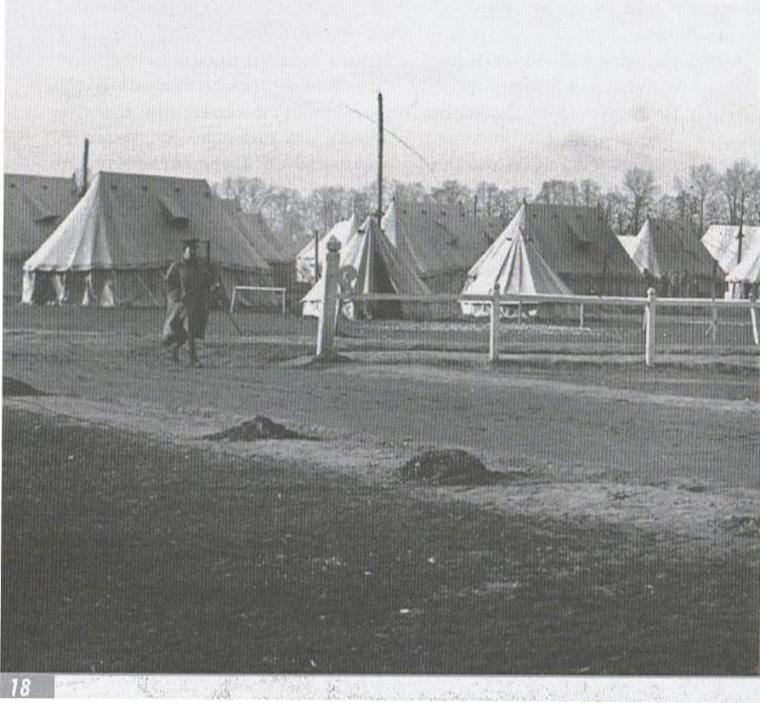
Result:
[[736, 185], [617, 212], [590, 192], [668, 207], [703, 185], [754, 199], [452, 193], [559, 192], [409, 192], [643, 189]]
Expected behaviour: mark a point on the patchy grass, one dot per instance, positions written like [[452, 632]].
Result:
[[124, 555]]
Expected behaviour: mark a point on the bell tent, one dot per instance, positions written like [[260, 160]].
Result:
[[370, 264], [574, 242], [521, 270]]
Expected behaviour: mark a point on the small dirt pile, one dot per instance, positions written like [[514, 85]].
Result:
[[446, 467], [259, 428], [12, 387]]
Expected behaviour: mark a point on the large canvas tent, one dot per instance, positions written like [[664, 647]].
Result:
[[441, 241], [33, 207], [575, 243], [308, 263], [116, 244], [522, 270], [673, 257], [374, 266], [722, 241]]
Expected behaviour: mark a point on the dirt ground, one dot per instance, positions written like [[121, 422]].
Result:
[[641, 466]]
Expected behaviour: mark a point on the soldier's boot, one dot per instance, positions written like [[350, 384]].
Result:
[[194, 360]]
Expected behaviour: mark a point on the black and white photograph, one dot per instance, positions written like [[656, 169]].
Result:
[[375, 348]]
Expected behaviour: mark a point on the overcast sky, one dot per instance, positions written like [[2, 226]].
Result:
[[512, 92]]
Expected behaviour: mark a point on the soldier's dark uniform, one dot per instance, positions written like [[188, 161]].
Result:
[[189, 283]]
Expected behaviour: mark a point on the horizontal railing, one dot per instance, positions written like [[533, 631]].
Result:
[[333, 298]]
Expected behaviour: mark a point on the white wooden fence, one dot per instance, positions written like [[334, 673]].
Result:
[[332, 297]]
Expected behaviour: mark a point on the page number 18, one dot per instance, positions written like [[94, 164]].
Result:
[[20, 690]]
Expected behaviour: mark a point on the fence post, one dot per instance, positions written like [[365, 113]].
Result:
[[714, 325], [649, 352], [326, 330], [581, 317], [493, 339], [753, 315]]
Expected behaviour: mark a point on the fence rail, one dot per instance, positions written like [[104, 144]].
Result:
[[333, 299], [267, 289]]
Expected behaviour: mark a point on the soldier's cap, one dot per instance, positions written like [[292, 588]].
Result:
[[192, 243]]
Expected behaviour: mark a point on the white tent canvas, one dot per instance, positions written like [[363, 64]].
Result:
[[350, 255], [748, 270], [723, 244], [514, 262], [343, 231], [722, 241], [375, 267]]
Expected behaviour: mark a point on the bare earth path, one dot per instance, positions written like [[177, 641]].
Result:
[[654, 478]]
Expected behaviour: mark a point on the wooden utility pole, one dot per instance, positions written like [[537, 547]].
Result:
[[316, 255], [379, 155], [85, 157]]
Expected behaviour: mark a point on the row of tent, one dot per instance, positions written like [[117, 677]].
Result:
[[544, 249], [111, 245]]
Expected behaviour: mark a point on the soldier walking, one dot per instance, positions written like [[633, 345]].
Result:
[[189, 284]]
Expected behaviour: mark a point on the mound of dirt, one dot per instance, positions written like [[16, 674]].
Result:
[[446, 467], [259, 428], [745, 524], [11, 387]]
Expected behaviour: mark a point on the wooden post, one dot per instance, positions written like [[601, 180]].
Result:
[[379, 155], [493, 340], [714, 325], [326, 330], [581, 317], [649, 352], [316, 255], [519, 312], [85, 160], [753, 315]]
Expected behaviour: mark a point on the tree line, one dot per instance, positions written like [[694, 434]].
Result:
[[704, 196]]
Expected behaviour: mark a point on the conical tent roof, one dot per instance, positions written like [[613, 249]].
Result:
[[131, 221], [515, 263], [343, 231], [748, 270], [377, 266], [662, 246]]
